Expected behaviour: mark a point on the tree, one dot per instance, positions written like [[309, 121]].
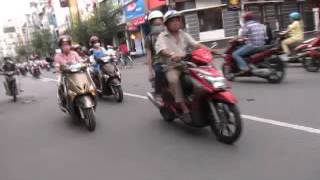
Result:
[[42, 42], [21, 51], [102, 24]]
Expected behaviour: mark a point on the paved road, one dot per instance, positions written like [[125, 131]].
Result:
[[39, 142]]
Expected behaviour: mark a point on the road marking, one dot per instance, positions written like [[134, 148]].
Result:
[[49, 80], [261, 120], [135, 95], [249, 117]]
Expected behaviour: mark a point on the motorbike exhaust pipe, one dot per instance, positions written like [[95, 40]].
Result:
[[153, 100]]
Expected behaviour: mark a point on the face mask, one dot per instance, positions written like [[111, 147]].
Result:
[[66, 48], [157, 28], [96, 45]]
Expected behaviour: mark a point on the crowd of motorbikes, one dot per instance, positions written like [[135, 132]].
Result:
[[206, 89]]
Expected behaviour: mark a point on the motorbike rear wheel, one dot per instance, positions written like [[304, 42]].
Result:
[[118, 93], [311, 65], [278, 66], [89, 119], [224, 117]]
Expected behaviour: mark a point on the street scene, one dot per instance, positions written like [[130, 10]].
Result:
[[157, 90]]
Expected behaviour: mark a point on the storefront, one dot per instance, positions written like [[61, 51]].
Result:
[[135, 17]]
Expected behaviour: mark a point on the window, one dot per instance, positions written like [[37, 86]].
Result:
[[210, 19], [188, 4]]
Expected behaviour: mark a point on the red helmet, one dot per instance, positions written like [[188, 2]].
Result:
[[94, 39], [248, 16]]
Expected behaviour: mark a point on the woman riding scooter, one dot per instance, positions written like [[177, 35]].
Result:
[[296, 34]]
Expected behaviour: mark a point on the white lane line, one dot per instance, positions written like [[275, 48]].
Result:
[[261, 120], [249, 117], [135, 95]]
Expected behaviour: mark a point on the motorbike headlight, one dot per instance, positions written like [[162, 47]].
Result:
[[217, 82]]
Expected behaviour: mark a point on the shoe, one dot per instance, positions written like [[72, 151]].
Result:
[[186, 117], [242, 72], [284, 57]]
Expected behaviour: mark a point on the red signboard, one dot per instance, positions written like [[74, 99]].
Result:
[[137, 21], [152, 4]]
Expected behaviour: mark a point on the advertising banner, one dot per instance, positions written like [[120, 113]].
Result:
[[134, 9]]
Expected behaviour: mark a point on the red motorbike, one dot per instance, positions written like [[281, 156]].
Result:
[[298, 50], [264, 64], [207, 95], [311, 62]]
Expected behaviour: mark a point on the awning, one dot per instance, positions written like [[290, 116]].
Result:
[[203, 8]]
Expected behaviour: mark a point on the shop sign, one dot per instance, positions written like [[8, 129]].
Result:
[[134, 9]]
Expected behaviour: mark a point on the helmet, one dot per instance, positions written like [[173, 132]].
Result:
[[171, 14], [64, 38], [93, 39], [295, 16], [248, 16], [155, 14]]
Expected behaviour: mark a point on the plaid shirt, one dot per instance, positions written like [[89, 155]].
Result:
[[255, 32]]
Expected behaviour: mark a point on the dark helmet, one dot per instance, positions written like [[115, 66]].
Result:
[[64, 38], [93, 39], [248, 16]]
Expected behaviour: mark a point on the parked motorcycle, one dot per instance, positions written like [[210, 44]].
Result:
[[264, 64], [10, 84], [311, 62], [207, 96], [108, 81], [78, 96]]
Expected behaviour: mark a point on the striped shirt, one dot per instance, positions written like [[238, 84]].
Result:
[[255, 32]]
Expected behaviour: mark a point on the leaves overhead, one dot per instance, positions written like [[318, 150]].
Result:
[[103, 23]]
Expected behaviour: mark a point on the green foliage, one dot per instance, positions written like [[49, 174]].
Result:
[[42, 42], [102, 24]]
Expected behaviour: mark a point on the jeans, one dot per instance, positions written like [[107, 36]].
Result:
[[242, 52], [173, 77], [159, 78]]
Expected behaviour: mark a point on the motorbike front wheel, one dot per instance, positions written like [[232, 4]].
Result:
[[89, 119], [227, 72], [14, 91], [118, 93], [311, 65], [225, 122], [278, 67]]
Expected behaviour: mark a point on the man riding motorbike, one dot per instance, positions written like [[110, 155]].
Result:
[[155, 19], [295, 31], [255, 35], [67, 56], [172, 46]]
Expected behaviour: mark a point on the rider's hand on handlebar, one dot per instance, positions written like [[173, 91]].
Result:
[[176, 58]]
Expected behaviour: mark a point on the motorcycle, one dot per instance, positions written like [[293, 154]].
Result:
[[108, 81], [35, 70], [78, 95], [207, 95], [264, 64], [298, 49], [311, 62], [10, 84]]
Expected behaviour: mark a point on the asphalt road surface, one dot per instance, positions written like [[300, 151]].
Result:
[[280, 140]]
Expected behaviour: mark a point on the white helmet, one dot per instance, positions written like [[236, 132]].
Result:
[[171, 14], [155, 14]]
